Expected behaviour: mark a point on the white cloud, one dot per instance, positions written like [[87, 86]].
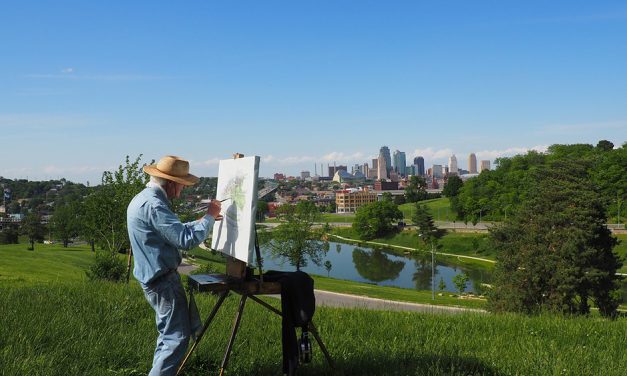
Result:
[[431, 154], [206, 163], [509, 152], [341, 157], [67, 70]]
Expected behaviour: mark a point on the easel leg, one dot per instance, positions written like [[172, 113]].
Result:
[[314, 331], [204, 328], [238, 318]]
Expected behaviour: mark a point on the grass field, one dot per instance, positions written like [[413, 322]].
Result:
[[55, 322], [80, 328], [440, 209]]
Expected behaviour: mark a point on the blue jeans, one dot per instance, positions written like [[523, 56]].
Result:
[[167, 298]]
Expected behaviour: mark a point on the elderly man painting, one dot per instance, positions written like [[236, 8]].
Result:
[[156, 236]]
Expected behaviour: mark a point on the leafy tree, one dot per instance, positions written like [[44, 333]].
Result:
[[262, 210], [399, 200], [460, 281], [452, 186], [33, 229], [296, 239], [105, 209], [416, 190], [605, 145], [64, 223], [442, 285], [104, 217], [555, 253], [376, 219]]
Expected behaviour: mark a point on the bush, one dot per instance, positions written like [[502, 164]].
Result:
[[108, 266]]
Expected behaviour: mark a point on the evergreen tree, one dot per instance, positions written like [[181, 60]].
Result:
[[555, 253]]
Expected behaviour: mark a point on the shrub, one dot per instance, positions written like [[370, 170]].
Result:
[[108, 266]]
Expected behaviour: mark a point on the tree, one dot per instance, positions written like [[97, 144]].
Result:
[[296, 239], [9, 235], [64, 223], [425, 227], [416, 190], [441, 285], [605, 145], [104, 211], [33, 229], [328, 266], [452, 186], [376, 219], [375, 265], [262, 210], [104, 217], [556, 253], [460, 281]]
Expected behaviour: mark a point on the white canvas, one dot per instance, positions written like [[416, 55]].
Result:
[[234, 235]]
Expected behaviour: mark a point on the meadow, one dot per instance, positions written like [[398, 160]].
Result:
[[58, 323]]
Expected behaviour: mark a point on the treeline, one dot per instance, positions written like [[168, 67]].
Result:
[[495, 194]]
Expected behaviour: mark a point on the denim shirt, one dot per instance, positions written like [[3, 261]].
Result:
[[156, 234]]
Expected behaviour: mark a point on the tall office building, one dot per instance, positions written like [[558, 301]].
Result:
[[400, 163], [452, 165], [382, 171], [419, 162], [472, 163], [437, 172], [388, 160], [305, 175], [485, 165]]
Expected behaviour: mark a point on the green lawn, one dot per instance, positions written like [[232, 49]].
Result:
[[97, 328], [440, 209], [47, 263]]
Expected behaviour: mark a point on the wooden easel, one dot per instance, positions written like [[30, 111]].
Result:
[[235, 280]]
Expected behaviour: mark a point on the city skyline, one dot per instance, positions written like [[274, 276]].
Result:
[[84, 84]]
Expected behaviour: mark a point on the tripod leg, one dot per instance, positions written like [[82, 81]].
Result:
[[204, 328], [314, 331], [229, 347]]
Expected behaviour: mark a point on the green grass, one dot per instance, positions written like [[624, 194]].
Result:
[[338, 218], [47, 263], [80, 328], [440, 209], [394, 293]]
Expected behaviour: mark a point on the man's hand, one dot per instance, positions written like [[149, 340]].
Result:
[[214, 209]]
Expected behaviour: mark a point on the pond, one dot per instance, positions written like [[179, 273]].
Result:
[[385, 267]]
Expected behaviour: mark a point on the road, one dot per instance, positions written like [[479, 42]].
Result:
[[334, 299]]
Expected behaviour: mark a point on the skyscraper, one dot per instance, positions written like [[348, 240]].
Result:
[[472, 163], [420, 165], [385, 151], [485, 165], [400, 163], [382, 172], [452, 165], [436, 170]]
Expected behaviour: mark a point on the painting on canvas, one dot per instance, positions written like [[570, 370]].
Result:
[[234, 235]]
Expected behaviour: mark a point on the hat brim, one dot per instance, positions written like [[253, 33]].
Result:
[[189, 179]]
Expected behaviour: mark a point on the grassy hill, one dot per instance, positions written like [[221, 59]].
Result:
[[57, 323]]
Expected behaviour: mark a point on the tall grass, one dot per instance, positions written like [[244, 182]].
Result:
[[82, 328]]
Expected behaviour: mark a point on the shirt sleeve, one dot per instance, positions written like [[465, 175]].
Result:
[[180, 235]]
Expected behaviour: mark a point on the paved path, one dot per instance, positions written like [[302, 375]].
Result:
[[335, 299]]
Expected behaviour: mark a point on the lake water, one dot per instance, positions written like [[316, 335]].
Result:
[[387, 268]]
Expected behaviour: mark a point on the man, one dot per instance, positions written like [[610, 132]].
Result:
[[156, 236]]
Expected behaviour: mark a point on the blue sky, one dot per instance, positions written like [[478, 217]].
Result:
[[85, 83]]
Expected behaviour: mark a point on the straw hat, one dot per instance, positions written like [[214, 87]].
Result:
[[172, 168]]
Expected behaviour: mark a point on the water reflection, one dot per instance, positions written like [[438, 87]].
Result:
[[375, 265], [422, 275]]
